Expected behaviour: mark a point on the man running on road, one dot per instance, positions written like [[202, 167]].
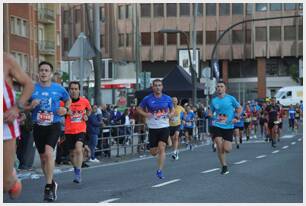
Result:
[[75, 128], [157, 108], [223, 107], [175, 123], [11, 110], [273, 115], [46, 117]]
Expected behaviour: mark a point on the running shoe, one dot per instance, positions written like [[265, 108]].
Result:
[[190, 147], [214, 147], [224, 170], [77, 175], [159, 174], [173, 156], [48, 194], [237, 146]]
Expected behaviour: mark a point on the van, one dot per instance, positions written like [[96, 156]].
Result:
[[289, 95]]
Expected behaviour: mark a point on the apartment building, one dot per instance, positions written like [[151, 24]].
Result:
[[32, 33], [254, 58]]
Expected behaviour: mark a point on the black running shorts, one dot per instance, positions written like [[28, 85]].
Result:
[[46, 135], [226, 134], [156, 135], [174, 129], [189, 130], [71, 139]]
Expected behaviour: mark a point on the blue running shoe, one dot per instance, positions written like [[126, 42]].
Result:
[[77, 175], [159, 174]]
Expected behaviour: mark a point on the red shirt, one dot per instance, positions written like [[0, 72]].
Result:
[[75, 123]]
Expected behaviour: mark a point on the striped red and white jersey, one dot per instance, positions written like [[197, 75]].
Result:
[[10, 131]]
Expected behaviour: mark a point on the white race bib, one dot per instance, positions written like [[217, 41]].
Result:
[[45, 118]]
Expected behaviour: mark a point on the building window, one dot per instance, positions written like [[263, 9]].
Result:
[[171, 10], [121, 12], [275, 7], [184, 9], [289, 33], [128, 11], [248, 36], [249, 9], [101, 40], [102, 13], [158, 10], [290, 6], [301, 32], [21, 59], [200, 9], [66, 17], [158, 38], [237, 37], [237, 9], [300, 6], [210, 9], [19, 27], [145, 10], [184, 38], [66, 44], [275, 33], [77, 15], [261, 34], [225, 39], [129, 39], [120, 40], [224, 9], [211, 37], [261, 7], [171, 39], [146, 38], [200, 37]]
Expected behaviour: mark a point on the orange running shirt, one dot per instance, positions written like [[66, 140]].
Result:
[[75, 123]]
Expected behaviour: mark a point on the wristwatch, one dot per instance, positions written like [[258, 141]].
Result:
[[20, 106]]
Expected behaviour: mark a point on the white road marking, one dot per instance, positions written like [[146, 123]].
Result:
[[285, 147], [212, 170], [293, 143], [110, 200], [300, 139], [287, 136], [166, 183], [276, 151], [261, 156], [241, 162]]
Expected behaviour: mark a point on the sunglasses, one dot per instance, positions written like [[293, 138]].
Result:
[[224, 115]]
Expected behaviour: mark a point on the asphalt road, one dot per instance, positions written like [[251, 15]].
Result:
[[258, 174]]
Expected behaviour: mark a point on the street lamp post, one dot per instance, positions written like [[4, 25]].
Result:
[[192, 71], [214, 61]]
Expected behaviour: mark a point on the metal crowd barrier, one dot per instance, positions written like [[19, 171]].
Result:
[[121, 140]]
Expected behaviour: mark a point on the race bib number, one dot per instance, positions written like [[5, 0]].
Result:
[[174, 119], [189, 124], [248, 120], [76, 117], [45, 118], [254, 118]]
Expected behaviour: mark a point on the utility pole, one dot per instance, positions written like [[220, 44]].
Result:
[[98, 57], [194, 42]]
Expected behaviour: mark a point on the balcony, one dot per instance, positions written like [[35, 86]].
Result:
[[46, 16], [47, 47]]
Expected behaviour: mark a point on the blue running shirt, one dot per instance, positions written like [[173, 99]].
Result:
[[291, 112], [224, 111], [189, 118], [46, 112], [159, 108]]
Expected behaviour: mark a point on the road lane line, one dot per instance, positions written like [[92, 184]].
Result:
[[287, 136], [166, 183], [241, 162], [285, 147], [276, 151], [300, 139], [261, 156], [293, 143], [110, 200], [212, 170]]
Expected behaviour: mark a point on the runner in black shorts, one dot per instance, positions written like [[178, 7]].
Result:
[[273, 116], [46, 116], [157, 108], [223, 107]]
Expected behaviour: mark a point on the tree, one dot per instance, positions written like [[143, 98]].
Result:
[[294, 73]]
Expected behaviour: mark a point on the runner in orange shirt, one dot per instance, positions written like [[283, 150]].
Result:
[[75, 128]]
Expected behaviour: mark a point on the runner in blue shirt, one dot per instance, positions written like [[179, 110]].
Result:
[[227, 112], [188, 122], [46, 115], [157, 108]]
